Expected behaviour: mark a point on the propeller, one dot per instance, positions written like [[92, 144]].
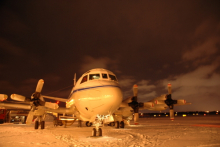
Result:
[[35, 100], [35, 97], [170, 102], [135, 105]]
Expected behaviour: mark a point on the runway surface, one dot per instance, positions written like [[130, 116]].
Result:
[[190, 131]]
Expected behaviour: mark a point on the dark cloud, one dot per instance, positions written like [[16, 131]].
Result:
[[149, 43]]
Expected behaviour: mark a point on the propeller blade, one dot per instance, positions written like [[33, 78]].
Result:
[[30, 117], [136, 118], [169, 88], [18, 97], [3, 97], [135, 90], [171, 114], [40, 85]]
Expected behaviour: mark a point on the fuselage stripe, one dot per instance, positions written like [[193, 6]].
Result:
[[93, 88]]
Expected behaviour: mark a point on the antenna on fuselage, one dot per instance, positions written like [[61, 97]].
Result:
[[74, 80]]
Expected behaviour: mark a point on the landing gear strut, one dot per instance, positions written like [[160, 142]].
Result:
[[40, 121], [79, 123], [97, 131], [119, 124]]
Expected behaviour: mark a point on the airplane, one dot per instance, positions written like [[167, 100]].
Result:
[[96, 98]]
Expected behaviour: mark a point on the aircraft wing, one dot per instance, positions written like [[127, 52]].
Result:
[[179, 104], [71, 110], [55, 98], [9, 105]]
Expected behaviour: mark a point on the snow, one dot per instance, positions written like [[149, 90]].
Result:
[[190, 131]]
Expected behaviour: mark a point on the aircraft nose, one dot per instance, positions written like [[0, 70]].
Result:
[[112, 98]]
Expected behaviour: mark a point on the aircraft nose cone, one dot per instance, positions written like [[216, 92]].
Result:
[[112, 98]]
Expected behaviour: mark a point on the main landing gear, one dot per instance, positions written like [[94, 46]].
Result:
[[119, 124], [88, 124], [40, 122]]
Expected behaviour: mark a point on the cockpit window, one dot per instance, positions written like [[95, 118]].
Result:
[[84, 79], [104, 76], [112, 77], [94, 76]]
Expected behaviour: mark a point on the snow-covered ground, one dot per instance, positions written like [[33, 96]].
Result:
[[197, 131]]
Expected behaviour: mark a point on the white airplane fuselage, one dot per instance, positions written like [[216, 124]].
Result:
[[97, 92]]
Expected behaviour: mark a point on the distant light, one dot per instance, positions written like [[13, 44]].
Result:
[[207, 111], [155, 115], [204, 114], [184, 115], [217, 111], [166, 115]]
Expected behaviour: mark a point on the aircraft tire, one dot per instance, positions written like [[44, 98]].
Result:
[[42, 124], [88, 124], [93, 132], [112, 124], [122, 124], [100, 132], [117, 124], [36, 125]]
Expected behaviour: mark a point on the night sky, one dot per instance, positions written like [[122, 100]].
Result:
[[148, 43]]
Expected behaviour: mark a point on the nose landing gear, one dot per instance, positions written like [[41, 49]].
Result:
[[97, 131]]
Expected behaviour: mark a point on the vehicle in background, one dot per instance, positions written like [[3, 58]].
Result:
[[2, 115]]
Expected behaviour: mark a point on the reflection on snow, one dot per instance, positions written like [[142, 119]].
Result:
[[158, 131]]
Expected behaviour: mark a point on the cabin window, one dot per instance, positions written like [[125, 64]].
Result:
[[104, 76], [112, 77], [94, 76], [84, 79]]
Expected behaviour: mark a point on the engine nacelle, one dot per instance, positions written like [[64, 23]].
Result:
[[51, 105], [18, 97], [148, 105], [159, 102]]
